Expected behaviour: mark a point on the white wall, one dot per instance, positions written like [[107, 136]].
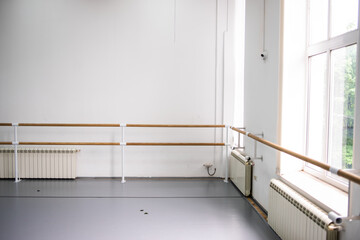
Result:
[[111, 61], [261, 90]]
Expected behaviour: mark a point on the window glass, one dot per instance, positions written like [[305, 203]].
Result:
[[342, 106], [344, 16], [317, 114], [318, 20]]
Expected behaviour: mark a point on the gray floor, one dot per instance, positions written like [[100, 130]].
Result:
[[138, 209]]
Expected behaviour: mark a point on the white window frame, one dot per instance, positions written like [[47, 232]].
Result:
[[332, 43]]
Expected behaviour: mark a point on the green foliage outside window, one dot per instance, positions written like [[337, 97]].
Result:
[[349, 106]]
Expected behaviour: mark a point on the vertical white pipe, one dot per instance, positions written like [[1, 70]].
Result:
[[174, 21], [263, 26], [15, 154], [226, 154], [123, 155]]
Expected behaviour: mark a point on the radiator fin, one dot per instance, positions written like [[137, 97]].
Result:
[[240, 173], [47, 163], [294, 217]]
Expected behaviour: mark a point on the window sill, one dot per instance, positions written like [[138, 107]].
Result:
[[322, 194]]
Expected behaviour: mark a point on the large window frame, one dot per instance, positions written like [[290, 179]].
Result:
[[326, 47]]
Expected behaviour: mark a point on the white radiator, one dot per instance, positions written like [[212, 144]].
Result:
[[294, 217], [240, 171], [39, 163]]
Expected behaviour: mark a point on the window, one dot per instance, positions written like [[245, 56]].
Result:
[[331, 66]]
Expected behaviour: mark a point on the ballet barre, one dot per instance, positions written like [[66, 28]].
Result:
[[342, 173], [15, 143]]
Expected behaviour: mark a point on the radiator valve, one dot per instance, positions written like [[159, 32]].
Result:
[[337, 219], [208, 166]]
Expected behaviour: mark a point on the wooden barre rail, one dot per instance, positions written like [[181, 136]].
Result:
[[340, 172], [173, 144], [175, 125], [63, 124], [116, 143], [62, 143], [69, 125], [114, 125]]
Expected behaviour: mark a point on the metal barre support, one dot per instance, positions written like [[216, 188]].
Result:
[[226, 153], [15, 144], [123, 155], [255, 148], [239, 139]]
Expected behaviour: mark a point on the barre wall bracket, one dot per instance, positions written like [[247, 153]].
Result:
[[256, 157]]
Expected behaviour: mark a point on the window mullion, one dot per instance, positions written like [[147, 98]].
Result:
[[343, 40], [329, 20], [307, 105], [307, 67], [328, 105], [307, 23]]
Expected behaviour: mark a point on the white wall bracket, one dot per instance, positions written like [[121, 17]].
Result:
[[239, 139], [256, 157]]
